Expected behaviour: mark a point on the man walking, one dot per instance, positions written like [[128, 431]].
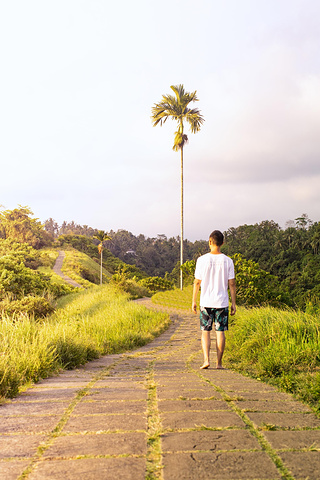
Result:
[[215, 273]]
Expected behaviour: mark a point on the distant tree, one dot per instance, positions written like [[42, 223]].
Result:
[[18, 225], [51, 227], [102, 237], [303, 222], [176, 107]]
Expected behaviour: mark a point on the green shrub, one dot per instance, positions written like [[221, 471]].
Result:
[[156, 284], [130, 286], [17, 279], [37, 307], [21, 252], [256, 286]]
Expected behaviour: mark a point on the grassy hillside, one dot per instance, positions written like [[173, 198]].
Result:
[[76, 265], [83, 269]]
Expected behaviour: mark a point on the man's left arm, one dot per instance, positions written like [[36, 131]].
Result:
[[232, 288]]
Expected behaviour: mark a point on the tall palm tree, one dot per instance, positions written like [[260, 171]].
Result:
[[176, 107], [102, 237]]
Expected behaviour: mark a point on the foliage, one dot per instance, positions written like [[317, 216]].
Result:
[[126, 281], [19, 280], [188, 269], [155, 284], [86, 325], [292, 255], [102, 237], [18, 225], [254, 285], [22, 252], [37, 307], [130, 286], [155, 256], [176, 108], [279, 346]]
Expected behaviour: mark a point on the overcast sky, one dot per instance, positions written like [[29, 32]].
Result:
[[78, 81]]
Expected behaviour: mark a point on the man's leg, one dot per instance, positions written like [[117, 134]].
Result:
[[205, 342], [221, 342]]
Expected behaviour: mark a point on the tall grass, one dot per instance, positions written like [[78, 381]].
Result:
[[278, 346], [86, 325], [175, 298], [281, 347]]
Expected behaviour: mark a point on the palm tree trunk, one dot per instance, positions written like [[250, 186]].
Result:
[[101, 269], [181, 237]]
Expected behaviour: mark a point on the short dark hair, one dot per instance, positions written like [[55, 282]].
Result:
[[217, 238]]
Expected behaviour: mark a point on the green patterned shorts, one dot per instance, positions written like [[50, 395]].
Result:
[[219, 316]]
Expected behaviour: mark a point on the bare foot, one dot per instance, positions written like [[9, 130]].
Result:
[[220, 367], [205, 365]]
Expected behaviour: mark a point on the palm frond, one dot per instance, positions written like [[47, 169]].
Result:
[[102, 236], [194, 119], [176, 108]]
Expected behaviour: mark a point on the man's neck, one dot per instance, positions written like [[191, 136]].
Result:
[[215, 250]]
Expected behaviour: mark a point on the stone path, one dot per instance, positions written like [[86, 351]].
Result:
[[57, 269], [153, 414]]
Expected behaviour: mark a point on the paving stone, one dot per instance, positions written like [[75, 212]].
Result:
[[264, 396], [32, 408], [123, 383], [187, 405], [302, 465], [171, 377], [28, 424], [208, 440], [244, 387], [49, 394], [105, 444], [91, 469], [218, 466], [118, 394], [293, 439], [102, 407], [65, 383], [273, 406], [168, 393], [285, 420], [97, 423], [180, 420], [19, 445], [176, 382], [70, 376], [13, 469]]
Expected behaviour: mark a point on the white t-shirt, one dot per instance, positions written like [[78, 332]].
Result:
[[214, 271]]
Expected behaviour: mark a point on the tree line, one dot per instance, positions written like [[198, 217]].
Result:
[[271, 262]]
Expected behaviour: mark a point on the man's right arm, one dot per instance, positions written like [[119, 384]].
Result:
[[232, 288], [196, 286]]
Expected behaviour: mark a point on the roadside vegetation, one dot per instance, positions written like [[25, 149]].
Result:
[[94, 322], [281, 347]]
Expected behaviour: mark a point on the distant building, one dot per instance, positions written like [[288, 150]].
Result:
[[131, 252]]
